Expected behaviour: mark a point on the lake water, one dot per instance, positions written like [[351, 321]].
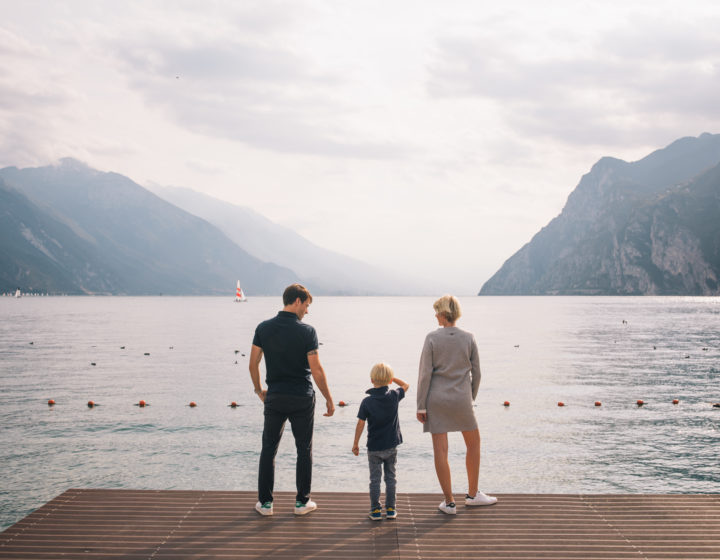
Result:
[[535, 351]]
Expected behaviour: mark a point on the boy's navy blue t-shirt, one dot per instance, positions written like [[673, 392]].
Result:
[[380, 410], [285, 342]]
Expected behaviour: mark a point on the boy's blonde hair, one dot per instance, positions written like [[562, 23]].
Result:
[[449, 307], [382, 374]]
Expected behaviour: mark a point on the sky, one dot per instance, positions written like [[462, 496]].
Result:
[[430, 138]]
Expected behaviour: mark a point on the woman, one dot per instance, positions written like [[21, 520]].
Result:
[[447, 386]]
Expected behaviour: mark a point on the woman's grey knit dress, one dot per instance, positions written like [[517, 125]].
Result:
[[448, 380]]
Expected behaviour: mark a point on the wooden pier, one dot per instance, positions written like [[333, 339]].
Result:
[[147, 524]]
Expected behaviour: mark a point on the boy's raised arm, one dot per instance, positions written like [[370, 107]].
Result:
[[405, 386]]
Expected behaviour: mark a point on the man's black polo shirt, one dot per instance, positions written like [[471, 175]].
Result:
[[285, 342]]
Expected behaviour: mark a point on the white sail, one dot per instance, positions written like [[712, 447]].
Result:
[[239, 295]]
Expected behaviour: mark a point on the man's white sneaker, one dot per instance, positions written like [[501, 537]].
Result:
[[480, 499], [302, 509], [264, 509], [448, 508]]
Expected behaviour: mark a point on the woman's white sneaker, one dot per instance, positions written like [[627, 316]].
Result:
[[448, 508], [480, 499]]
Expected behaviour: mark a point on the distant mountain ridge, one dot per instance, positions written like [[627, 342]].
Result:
[[71, 229], [324, 270], [647, 227]]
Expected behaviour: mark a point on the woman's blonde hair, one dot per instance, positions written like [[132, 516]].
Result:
[[449, 307], [382, 374]]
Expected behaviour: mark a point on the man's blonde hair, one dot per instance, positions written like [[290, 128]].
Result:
[[449, 307], [382, 374]]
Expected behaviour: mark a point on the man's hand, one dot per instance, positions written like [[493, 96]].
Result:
[[422, 416], [330, 408], [356, 450]]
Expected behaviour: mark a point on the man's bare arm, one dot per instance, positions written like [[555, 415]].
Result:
[[256, 355], [320, 379]]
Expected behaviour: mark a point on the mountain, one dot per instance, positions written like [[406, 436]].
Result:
[[647, 227], [324, 270], [71, 229]]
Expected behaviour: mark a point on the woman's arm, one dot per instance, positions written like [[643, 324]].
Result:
[[475, 367], [424, 376]]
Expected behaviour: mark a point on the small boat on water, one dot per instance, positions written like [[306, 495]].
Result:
[[239, 295], [18, 293]]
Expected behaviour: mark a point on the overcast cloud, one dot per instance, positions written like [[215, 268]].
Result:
[[431, 138]]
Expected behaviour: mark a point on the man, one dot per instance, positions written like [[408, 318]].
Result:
[[290, 348]]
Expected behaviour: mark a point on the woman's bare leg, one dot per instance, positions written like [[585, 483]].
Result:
[[442, 467], [472, 459]]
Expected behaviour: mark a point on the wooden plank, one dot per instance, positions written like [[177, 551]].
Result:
[[153, 524]]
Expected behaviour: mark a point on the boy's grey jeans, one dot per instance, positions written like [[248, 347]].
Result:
[[386, 458]]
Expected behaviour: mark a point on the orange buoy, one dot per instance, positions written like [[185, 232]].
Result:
[[598, 403], [233, 404], [506, 403], [192, 404], [342, 403], [91, 404], [676, 401], [640, 402], [141, 403], [561, 403], [51, 402]]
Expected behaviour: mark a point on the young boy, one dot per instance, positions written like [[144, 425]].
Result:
[[380, 410]]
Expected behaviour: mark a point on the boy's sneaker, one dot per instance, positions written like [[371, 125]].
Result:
[[264, 509], [307, 507], [480, 499], [375, 515], [447, 508], [391, 513]]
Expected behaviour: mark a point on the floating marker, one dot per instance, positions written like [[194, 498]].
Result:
[[233, 404], [598, 403], [147, 353], [93, 364], [506, 403], [91, 404], [561, 403], [51, 402], [237, 351], [676, 401], [640, 402], [122, 348], [342, 403], [141, 404], [192, 404]]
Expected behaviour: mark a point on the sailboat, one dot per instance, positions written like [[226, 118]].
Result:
[[239, 295]]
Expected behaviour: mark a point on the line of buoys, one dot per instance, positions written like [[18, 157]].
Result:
[[639, 402]]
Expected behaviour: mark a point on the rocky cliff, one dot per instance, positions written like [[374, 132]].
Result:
[[647, 227]]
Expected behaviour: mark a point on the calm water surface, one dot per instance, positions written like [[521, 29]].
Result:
[[535, 351]]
